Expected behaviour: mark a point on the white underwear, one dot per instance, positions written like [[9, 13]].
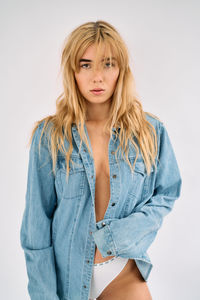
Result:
[[104, 273]]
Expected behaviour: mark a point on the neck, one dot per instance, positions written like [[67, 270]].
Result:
[[98, 113]]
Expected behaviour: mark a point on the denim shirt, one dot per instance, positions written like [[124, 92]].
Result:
[[59, 229]]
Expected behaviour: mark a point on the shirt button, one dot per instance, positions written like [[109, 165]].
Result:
[[103, 224], [112, 152], [88, 261], [109, 252], [114, 176], [92, 176], [113, 204], [84, 150], [90, 232], [85, 286]]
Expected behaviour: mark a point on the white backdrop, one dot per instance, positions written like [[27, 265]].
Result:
[[163, 41]]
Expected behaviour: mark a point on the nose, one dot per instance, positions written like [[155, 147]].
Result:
[[97, 75]]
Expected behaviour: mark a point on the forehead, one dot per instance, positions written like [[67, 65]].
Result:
[[91, 52]]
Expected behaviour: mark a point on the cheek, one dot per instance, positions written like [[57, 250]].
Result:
[[115, 75], [114, 80], [80, 81]]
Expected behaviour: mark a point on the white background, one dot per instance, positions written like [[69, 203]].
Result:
[[163, 41]]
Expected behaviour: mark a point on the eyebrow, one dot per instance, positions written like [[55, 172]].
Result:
[[89, 60]]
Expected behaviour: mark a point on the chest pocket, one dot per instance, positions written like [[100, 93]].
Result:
[[137, 178], [139, 185], [135, 182], [73, 186]]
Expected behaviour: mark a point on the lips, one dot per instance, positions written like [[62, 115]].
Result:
[[97, 90]]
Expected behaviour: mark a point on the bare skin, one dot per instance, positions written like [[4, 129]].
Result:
[[99, 143], [129, 283]]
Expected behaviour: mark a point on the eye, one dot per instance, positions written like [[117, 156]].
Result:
[[111, 65], [82, 66]]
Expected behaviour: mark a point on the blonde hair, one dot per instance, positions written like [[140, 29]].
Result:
[[125, 111]]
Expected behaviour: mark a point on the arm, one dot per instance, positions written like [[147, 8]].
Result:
[[35, 233], [132, 236]]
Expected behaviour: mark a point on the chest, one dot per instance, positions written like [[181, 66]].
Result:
[[99, 144]]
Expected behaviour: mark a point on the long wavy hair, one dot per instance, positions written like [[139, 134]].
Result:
[[125, 111]]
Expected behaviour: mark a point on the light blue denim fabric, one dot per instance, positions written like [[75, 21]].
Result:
[[59, 229]]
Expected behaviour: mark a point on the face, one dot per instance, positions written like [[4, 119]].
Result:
[[104, 77]]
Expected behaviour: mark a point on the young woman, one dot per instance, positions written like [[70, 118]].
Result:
[[102, 175]]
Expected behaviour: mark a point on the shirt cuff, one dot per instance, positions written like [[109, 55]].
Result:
[[104, 240]]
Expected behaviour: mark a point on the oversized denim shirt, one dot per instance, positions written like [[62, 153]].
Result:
[[59, 229]]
